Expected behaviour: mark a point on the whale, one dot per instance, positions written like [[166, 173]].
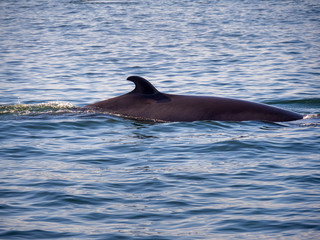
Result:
[[146, 103]]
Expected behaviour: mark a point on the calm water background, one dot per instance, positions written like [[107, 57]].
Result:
[[76, 175]]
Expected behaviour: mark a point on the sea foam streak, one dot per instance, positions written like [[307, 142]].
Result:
[[39, 108]]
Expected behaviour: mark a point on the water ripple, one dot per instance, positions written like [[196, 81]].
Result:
[[73, 174]]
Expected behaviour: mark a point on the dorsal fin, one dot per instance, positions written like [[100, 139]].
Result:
[[142, 86]]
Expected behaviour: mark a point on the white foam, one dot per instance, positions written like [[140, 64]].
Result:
[[310, 116]]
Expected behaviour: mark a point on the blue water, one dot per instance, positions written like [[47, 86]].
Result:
[[70, 174]]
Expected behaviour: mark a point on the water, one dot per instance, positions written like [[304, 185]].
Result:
[[71, 174]]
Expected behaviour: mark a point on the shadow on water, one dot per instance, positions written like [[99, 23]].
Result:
[[307, 107]]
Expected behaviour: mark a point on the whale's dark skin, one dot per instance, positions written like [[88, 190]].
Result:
[[145, 102]]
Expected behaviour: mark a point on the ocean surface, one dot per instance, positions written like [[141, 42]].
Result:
[[72, 174]]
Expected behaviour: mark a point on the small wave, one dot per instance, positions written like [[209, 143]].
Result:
[[311, 120], [105, 2], [35, 109], [311, 116]]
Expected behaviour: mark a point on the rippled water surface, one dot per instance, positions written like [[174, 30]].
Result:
[[72, 174]]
